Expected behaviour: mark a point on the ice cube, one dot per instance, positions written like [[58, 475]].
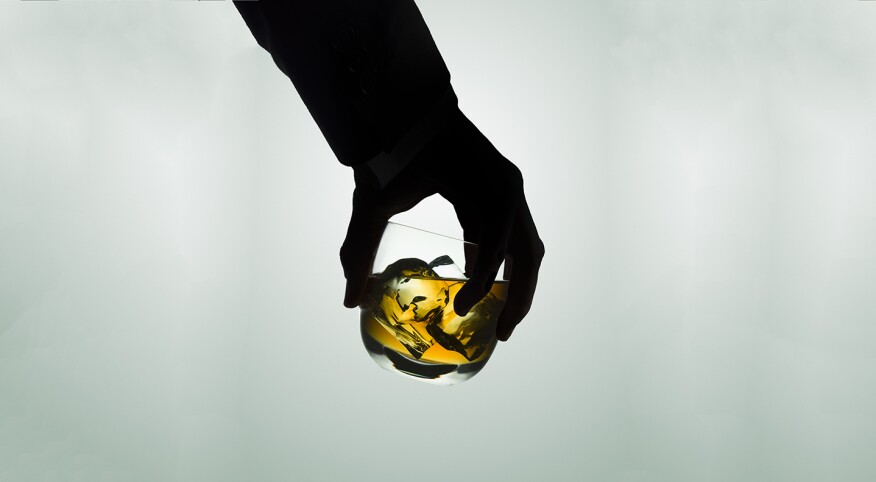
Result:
[[411, 299], [410, 296], [444, 267], [468, 335]]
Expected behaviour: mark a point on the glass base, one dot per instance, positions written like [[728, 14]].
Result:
[[433, 373]]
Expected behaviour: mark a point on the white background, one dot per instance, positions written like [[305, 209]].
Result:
[[702, 173]]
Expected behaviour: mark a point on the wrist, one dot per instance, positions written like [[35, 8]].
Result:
[[385, 166]]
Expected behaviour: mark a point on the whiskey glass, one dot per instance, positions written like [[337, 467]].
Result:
[[408, 323]]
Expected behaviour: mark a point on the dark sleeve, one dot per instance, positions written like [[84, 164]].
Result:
[[369, 72]]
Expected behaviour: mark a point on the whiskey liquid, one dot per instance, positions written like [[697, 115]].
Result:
[[409, 326]]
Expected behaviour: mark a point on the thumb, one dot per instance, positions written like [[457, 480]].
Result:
[[357, 253]]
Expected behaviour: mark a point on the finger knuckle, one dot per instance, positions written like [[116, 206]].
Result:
[[514, 177], [345, 252], [538, 249]]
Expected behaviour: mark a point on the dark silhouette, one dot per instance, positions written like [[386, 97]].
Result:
[[373, 80]]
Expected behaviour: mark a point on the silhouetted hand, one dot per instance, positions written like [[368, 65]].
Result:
[[485, 189]]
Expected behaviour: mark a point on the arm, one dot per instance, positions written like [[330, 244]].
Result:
[[368, 72], [374, 81]]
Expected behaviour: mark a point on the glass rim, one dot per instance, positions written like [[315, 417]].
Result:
[[430, 232]]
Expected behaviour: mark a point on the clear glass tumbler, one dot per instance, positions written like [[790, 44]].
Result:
[[408, 323]]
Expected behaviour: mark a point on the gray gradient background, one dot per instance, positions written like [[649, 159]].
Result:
[[702, 173]]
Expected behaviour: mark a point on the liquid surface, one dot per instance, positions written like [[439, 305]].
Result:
[[409, 325]]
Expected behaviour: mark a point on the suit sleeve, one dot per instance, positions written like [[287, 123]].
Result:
[[369, 73]]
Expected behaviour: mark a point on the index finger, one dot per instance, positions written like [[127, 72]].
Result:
[[357, 253], [496, 210], [527, 251]]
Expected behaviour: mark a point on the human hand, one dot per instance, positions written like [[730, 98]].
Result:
[[486, 191]]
